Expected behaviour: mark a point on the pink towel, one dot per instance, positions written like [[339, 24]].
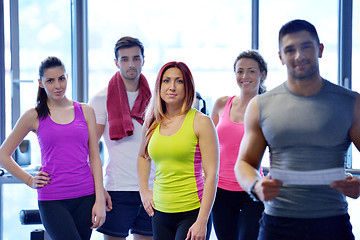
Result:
[[119, 115]]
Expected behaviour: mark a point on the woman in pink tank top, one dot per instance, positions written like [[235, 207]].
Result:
[[69, 182], [235, 215]]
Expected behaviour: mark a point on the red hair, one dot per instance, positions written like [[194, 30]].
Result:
[[157, 108]]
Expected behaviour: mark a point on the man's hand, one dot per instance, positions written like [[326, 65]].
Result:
[[108, 201], [267, 189], [350, 187]]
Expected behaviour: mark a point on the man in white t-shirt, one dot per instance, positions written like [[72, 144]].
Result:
[[119, 110]]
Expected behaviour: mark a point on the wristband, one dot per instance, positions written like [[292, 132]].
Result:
[[252, 192]]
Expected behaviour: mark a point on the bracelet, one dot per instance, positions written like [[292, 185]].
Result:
[[252, 193]]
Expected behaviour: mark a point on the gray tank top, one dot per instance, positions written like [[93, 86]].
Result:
[[307, 133]]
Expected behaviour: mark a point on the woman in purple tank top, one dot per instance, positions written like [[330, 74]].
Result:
[[235, 215], [69, 181]]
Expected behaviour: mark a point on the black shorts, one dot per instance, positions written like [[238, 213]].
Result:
[[127, 214]]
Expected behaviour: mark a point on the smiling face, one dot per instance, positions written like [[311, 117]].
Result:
[[248, 75], [172, 89], [300, 52], [54, 82]]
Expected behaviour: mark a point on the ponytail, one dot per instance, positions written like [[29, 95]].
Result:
[[42, 108]]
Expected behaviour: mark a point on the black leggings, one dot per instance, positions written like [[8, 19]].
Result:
[[236, 216], [175, 226], [68, 219]]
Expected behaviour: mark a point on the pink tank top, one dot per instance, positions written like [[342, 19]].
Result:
[[230, 135], [64, 155]]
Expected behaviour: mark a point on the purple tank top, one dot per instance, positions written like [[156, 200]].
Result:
[[64, 155]]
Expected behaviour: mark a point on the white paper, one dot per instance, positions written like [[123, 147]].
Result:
[[318, 177]]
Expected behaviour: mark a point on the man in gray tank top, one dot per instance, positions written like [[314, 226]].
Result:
[[308, 124]]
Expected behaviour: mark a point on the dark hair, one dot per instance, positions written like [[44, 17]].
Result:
[[298, 25], [255, 55], [42, 108], [128, 42], [156, 109]]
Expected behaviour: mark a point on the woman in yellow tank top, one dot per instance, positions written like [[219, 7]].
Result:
[[183, 144]]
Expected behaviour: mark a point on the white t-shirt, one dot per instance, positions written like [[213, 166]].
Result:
[[120, 169]]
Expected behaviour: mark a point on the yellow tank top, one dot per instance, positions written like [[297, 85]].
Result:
[[178, 184]]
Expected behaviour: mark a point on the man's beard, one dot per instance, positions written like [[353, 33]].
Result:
[[305, 75]]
